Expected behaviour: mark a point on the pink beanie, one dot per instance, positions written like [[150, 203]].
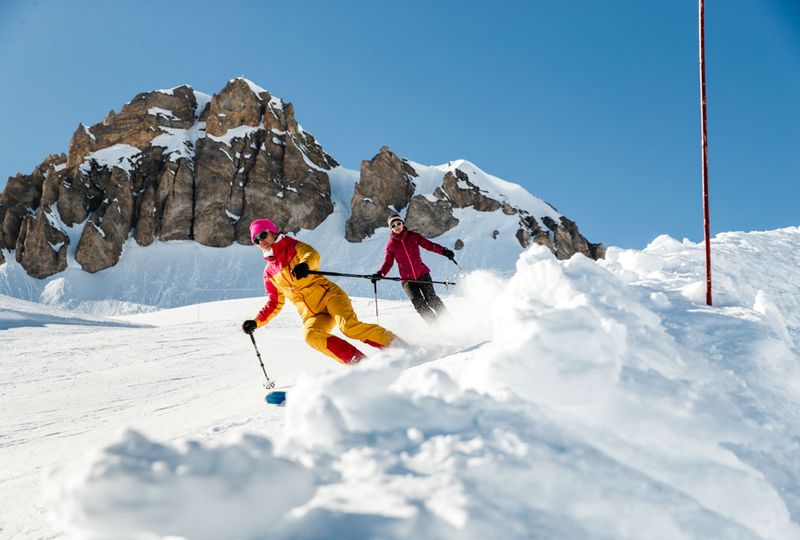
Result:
[[260, 225]]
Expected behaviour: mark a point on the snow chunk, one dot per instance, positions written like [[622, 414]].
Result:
[[239, 132], [158, 111], [202, 101], [169, 91], [276, 103], [89, 132], [120, 155], [184, 491], [180, 143], [430, 197], [664, 244], [97, 228], [54, 219]]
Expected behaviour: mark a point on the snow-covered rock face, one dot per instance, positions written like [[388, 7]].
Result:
[[178, 164], [385, 187], [256, 161], [429, 197], [42, 246]]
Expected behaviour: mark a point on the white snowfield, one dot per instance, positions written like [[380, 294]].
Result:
[[574, 400]]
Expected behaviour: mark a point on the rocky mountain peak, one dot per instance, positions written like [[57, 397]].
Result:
[[385, 187], [236, 105], [137, 123], [170, 165]]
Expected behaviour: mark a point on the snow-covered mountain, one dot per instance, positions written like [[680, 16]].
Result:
[[178, 174], [181, 272], [572, 399]]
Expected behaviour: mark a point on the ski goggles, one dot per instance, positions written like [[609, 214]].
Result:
[[260, 236], [396, 224]]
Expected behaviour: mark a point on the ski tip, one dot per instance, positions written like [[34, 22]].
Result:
[[276, 398]]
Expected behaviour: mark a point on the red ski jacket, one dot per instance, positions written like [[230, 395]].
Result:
[[404, 248]]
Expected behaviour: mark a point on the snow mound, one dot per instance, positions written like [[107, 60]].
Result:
[[236, 482], [604, 401]]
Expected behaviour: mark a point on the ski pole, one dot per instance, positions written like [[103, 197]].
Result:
[[369, 276], [375, 287], [270, 383]]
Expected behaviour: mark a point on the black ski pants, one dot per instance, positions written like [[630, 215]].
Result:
[[424, 298]]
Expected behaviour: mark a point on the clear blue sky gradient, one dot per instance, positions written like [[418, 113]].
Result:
[[591, 105]]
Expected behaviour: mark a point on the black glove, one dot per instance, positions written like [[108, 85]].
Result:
[[375, 277], [249, 326], [300, 271], [449, 254]]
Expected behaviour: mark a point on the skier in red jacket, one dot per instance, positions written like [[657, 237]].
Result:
[[403, 246]]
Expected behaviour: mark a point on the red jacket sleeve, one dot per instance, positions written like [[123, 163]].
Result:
[[388, 261], [272, 307], [430, 246]]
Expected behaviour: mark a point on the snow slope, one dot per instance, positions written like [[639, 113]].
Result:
[[573, 399], [177, 273]]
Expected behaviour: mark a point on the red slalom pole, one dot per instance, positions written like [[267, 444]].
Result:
[[703, 124]]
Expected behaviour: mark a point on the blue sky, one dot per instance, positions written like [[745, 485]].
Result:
[[591, 105]]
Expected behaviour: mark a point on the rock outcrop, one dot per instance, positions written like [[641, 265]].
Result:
[[41, 247], [171, 165], [28, 225], [385, 187], [256, 160]]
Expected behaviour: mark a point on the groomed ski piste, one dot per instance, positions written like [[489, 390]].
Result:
[[572, 400]]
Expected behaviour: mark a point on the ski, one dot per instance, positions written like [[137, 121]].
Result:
[[276, 397]]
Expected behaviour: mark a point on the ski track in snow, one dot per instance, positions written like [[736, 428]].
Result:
[[574, 400]]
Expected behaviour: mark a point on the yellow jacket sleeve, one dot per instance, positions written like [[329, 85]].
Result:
[[308, 255]]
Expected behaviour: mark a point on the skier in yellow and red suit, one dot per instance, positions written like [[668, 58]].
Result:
[[320, 303]]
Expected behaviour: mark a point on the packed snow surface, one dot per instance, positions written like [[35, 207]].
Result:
[[572, 400]]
